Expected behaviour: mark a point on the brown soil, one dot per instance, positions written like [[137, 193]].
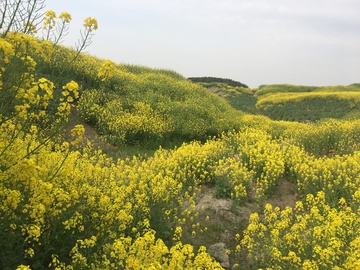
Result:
[[90, 133], [223, 219], [215, 90], [285, 195]]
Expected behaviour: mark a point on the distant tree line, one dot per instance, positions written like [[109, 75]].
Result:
[[217, 80]]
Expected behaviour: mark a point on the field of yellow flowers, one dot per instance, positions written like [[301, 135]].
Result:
[[66, 205]]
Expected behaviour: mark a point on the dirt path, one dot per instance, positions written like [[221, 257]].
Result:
[[90, 133]]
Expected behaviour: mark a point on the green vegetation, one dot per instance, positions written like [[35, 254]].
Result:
[[288, 88], [291, 102], [283, 88], [153, 107], [309, 106], [217, 80], [239, 97]]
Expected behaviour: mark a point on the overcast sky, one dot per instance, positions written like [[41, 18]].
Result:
[[304, 42]]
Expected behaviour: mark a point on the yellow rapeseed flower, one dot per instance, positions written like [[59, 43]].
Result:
[[90, 24], [65, 16], [49, 20]]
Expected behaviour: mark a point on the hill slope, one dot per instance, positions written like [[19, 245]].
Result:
[[306, 103], [132, 105], [292, 102]]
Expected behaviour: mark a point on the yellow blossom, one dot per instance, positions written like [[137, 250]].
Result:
[[90, 24], [65, 16]]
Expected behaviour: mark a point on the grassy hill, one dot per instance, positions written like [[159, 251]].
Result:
[[280, 194], [152, 106], [238, 95], [306, 103], [291, 102]]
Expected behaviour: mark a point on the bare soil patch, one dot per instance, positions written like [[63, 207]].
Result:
[[90, 132], [223, 219]]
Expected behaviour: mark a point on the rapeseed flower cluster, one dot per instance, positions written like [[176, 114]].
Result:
[[122, 125], [49, 20], [90, 24], [65, 17], [331, 137], [107, 70], [166, 106], [262, 157], [313, 235], [85, 200]]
